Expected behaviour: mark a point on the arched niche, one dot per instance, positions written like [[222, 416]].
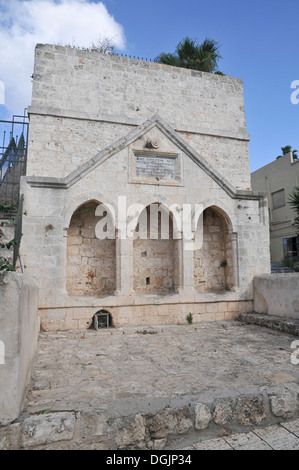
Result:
[[91, 262], [213, 260], [155, 252]]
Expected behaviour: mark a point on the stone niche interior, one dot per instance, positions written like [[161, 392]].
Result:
[[91, 263], [213, 262], [155, 254]]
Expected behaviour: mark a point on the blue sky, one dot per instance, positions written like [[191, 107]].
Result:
[[258, 42]]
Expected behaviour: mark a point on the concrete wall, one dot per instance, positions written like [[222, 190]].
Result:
[[19, 328], [277, 294]]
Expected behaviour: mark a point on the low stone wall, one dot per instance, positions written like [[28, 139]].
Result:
[[170, 428], [19, 327], [277, 294], [81, 318]]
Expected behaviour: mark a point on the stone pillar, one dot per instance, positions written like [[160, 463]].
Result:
[[234, 238], [186, 267], [124, 265]]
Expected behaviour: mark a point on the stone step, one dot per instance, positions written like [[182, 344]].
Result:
[[285, 325]]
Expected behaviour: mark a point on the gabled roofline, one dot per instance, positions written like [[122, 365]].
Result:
[[118, 145]]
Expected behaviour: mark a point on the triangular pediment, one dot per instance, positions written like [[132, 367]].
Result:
[[123, 142]]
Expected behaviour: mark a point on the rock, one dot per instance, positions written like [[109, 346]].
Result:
[[10, 437], [284, 404], [203, 416], [93, 424], [250, 409], [223, 410], [170, 421], [129, 430], [43, 429]]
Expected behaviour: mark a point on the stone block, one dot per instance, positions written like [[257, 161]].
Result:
[[170, 422], [10, 437], [203, 416], [250, 409], [223, 410], [128, 431], [46, 428], [283, 404], [93, 424]]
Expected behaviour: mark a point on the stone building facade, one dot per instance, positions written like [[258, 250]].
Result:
[[137, 151]]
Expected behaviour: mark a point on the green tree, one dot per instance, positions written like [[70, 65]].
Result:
[[191, 55], [294, 201], [288, 149]]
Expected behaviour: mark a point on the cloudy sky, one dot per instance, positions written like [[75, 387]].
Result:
[[25, 23], [258, 42]]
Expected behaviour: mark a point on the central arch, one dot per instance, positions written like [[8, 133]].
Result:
[[155, 252]]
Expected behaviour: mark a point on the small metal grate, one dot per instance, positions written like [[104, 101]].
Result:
[[102, 319]]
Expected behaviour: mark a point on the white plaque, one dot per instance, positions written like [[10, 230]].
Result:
[[149, 166]]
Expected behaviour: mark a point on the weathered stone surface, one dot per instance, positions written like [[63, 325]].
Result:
[[43, 429], [203, 416], [128, 431], [19, 327], [250, 409], [93, 424], [283, 404], [170, 421], [223, 410], [10, 437]]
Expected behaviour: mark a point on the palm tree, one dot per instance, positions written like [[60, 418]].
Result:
[[294, 201], [287, 149], [191, 55]]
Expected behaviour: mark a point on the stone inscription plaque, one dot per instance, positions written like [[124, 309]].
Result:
[[149, 166]]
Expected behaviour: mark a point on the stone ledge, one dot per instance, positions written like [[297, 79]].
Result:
[[285, 325], [163, 430]]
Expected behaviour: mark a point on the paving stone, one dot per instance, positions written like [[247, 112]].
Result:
[[246, 441], [278, 438], [213, 444], [292, 426]]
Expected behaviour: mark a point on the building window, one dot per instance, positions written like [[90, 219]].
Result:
[[278, 198], [291, 247]]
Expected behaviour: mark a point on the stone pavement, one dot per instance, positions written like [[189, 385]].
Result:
[[283, 436], [215, 384]]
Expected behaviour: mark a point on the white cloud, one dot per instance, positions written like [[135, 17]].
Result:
[[24, 23]]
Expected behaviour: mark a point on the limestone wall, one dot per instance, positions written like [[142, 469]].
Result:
[[82, 101], [277, 295], [19, 327]]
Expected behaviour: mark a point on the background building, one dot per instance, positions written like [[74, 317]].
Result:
[[278, 179]]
